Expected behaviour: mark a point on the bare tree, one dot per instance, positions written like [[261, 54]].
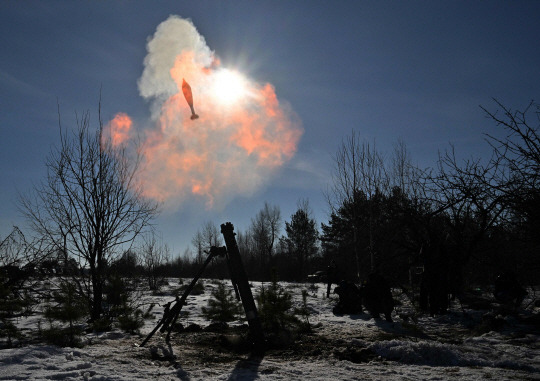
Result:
[[14, 249], [358, 167], [463, 203], [19, 260], [211, 235], [472, 195], [403, 174], [519, 154], [245, 244], [154, 255], [265, 228], [520, 149], [204, 239], [359, 170], [89, 205], [198, 243]]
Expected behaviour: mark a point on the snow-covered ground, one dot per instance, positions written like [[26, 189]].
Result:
[[456, 346]]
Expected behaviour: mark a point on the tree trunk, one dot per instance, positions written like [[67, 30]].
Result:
[[97, 292]]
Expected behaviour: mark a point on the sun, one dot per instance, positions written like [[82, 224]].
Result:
[[229, 86]]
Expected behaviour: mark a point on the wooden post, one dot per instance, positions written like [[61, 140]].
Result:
[[239, 275]]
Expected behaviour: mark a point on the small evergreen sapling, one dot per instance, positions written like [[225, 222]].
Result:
[[275, 308], [222, 306], [120, 306], [304, 312], [68, 308], [9, 305]]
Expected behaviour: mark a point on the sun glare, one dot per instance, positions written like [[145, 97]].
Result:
[[229, 86]]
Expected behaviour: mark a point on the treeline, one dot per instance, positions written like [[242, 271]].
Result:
[[466, 220], [265, 251]]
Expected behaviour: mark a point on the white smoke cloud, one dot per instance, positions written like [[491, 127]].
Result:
[[232, 150], [172, 37]]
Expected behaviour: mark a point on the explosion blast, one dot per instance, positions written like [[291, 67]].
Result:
[[242, 136]]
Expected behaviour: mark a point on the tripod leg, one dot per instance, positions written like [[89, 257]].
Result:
[[149, 336], [163, 319], [168, 320]]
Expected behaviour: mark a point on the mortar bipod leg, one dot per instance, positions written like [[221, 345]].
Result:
[[178, 306], [169, 314], [161, 321]]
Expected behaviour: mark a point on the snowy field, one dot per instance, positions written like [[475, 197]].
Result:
[[456, 346]]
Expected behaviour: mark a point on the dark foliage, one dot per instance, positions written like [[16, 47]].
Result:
[[275, 308], [120, 308], [222, 306], [300, 242], [68, 308], [389, 226]]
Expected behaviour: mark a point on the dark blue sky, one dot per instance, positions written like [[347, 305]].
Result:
[[415, 70]]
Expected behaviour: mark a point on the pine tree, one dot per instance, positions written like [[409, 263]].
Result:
[[68, 308], [275, 307], [120, 306], [304, 311], [301, 239], [9, 305], [222, 307]]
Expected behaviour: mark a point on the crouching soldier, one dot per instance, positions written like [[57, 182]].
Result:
[[508, 290], [350, 299], [377, 296]]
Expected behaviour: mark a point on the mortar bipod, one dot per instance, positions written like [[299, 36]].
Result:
[[241, 287], [170, 314]]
